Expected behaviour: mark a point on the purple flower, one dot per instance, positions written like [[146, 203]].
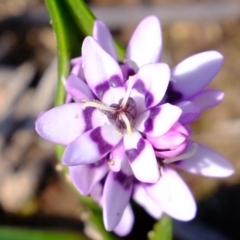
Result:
[[111, 110], [129, 124]]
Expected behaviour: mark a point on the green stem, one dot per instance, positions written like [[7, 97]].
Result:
[[85, 19]]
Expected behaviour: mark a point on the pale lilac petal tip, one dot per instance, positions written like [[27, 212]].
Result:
[[141, 197], [207, 162], [78, 88], [196, 72], [62, 124], [126, 222], [145, 46], [173, 195], [208, 98], [116, 196], [103, 36], [84, 177]]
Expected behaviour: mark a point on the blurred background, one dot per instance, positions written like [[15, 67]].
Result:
[[33, 194]]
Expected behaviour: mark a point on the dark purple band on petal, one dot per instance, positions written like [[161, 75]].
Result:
[[173, 96], [133, 153], [101, 89], [140, 87], [103, 146], [125, 180], [148, 124], [127, 71], [87, 115], [114, 82]]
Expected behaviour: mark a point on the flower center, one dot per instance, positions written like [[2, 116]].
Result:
[[123, 116], [120, 114]]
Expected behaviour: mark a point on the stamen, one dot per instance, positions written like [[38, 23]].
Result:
[[131, 82], [182, 156], [98, 105], [126, 121]]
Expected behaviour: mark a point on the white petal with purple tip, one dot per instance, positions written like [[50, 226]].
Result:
[[206, 162], [65, 123], [126, 223], [116, 195], [173, 195], [84, 177], [91, 146], [145, 45], [141, 158], [102, 72], [78, 88], [196, 72], [158, 120], [208, 98], [103, 36], [151, 86]]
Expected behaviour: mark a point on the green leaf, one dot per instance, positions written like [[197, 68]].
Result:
[[162, 230], [85, 19], [14, 233]]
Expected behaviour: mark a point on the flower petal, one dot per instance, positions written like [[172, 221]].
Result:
[[116, 195], [91, 146], [145, 46], [158, 120], [126, 223], [206, 162], [103, 36], [77, 68], [151, 85], [102, 72], [96, 193], [141, 158], [78, 88], [173, 195], [84, 177], [173, 152], [208, 98], [117, 156], [190, 112], [196, 72], [141, 197], [65, 123], [169, 140]]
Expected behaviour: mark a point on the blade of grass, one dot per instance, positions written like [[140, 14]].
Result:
[[13, 233]]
